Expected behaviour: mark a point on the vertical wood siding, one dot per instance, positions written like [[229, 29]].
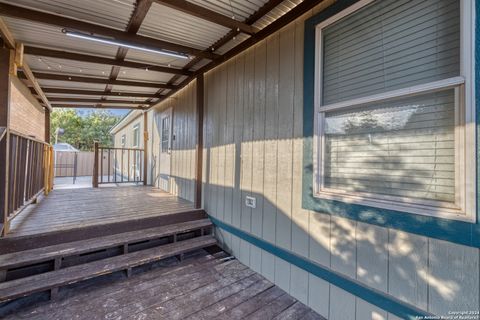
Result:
[[253, 147]]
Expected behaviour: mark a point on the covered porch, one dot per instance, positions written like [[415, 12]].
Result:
[[145, 248]]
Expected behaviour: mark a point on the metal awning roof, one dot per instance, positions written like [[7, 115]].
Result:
[[203, 29]]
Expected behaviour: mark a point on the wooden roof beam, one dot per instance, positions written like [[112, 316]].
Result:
[[266, 8], [138, 16], [209, 15], [60, 21], [9, 41], [97, 106], [42, 52], [281, 22], [72, 78], [96, 101], [98, 93]]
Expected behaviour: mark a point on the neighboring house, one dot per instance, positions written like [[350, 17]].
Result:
[[171, 161], [128, 133]]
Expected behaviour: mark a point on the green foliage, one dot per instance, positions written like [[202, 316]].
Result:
[[82, 130]]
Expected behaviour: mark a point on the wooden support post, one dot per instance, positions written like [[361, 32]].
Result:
[[145, 149], [47, 125], [5, 64], [95, 165], [199, 146]]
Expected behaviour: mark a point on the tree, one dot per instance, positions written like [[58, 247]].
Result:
[[82, 130]]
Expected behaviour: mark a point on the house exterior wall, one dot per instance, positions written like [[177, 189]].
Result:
[[26, 114], [254, 145], [184, 126], [128, 156], [127, 130]]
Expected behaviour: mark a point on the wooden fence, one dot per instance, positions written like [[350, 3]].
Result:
[[30, 172], [69, 164]]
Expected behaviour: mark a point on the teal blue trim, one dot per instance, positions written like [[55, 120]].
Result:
[[377, 298], [460, 232]]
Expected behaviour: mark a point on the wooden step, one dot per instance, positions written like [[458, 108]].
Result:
[[30, 257], [51, 280], [13, 243]]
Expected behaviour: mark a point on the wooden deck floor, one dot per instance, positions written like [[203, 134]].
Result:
[[76, 208], [200, 287]]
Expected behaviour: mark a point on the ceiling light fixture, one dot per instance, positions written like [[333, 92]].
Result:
[[122, 44]]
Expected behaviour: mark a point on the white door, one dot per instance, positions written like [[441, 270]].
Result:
[[165, 149]]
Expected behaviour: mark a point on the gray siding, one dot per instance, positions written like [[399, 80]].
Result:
[[253, 146]]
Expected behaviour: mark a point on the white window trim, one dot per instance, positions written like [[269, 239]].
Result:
[[136, 144], [465, 208]]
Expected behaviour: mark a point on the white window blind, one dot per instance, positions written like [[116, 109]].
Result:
[[394, 102], [403, 148], [388, 45]]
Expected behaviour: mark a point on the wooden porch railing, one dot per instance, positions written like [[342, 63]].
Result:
[[30, 172], [118, 165]]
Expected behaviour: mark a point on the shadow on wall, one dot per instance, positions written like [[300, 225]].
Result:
[[431, 274]]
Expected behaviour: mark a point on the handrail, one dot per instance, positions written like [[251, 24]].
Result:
[[22, 135], [117, 165], [30, 163], [3, 132]]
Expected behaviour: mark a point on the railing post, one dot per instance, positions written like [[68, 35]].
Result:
[[6, 62], [199, 146], [95, 165], [52, 168], [46, 170], [145, 141]]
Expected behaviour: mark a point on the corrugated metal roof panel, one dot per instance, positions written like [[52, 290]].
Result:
[[143, 75], [42, 35], [67, 66], [70, 85], [240, 9], [110, 13], [133, 99], [167, 24], [117, 88], [276, 13], [155, 58], [53, 96], [270, 17]]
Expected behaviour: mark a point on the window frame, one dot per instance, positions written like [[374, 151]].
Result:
[[165, 133], [123, 140], [465, 154], [136, 128]]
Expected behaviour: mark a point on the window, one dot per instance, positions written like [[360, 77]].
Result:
[[394, 107], [136, 135], [123, 140], [165, 134]]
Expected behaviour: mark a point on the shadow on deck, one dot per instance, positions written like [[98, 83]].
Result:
[[77, 214]]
